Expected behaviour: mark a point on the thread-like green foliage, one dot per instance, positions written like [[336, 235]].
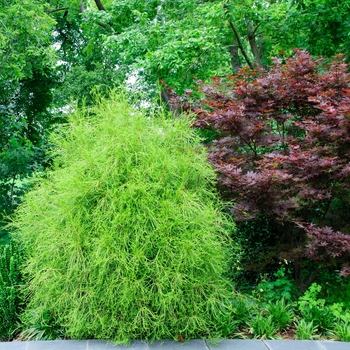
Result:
[[125, 239], [10, 291]]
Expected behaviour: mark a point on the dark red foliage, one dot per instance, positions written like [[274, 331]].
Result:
[[325, 245], [283, 148]]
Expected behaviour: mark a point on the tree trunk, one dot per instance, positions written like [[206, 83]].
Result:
[[236, 63], [172, 107], [239, 43], [99, 5], [82, 7], [253, 44], [303, 286]]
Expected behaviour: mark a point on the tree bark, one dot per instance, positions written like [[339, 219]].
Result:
[[82, 7], [99, 5], [171, 107], [253, 44], [303, 286], [56, 10], [236, 63], [101, 24], [240, 45]]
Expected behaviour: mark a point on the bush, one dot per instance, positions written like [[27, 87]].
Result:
[[342, 331], [282, 287], [314, 309], [305, 330], [281, 313], [10, 288], [125, 236], [282, 153], [262, 326]]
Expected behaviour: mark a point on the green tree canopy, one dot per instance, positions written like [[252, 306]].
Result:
[[109, 42], [25, 84]]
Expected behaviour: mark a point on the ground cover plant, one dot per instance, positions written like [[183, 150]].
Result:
[[11, 280], [281, 151], [306, 316], [124, 237]]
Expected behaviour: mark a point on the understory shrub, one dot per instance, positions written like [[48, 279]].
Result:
[[305, 330], [275, 309], [272, 291], [11, 298], [125, 236], [313, 309]]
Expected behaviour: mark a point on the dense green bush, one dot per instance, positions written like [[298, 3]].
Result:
[[10, 288], [125, 237]]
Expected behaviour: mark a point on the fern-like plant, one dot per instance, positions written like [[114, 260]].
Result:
[[125, 236]]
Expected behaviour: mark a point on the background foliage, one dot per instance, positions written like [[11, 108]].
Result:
[[25, 84]]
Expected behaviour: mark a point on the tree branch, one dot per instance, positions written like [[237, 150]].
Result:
[[240, 45], [253, 44], [256, 28], [101, 24], [238, 39], [82, 10], [56, 10], [311, 278], [99, 5]]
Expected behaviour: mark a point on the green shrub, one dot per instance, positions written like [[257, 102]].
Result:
[[36, 325], [244, 307], [313, 309], [281, 313], [305, 330], [281, 287], [125, 236], [342, 331], [335, 288], [262, 326], [10, 288], [340, 312]]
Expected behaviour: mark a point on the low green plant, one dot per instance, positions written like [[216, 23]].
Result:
[[283, 286], [342, 331], [11, 298], [314, 309], [262, 326], [40, 326], [125, 236], [310, 297], [305, 330], [226, 324], [243, 308], [340, 312], [335, 288], [281, 313]]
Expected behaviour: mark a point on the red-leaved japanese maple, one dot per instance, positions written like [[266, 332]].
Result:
[[283, 151]]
